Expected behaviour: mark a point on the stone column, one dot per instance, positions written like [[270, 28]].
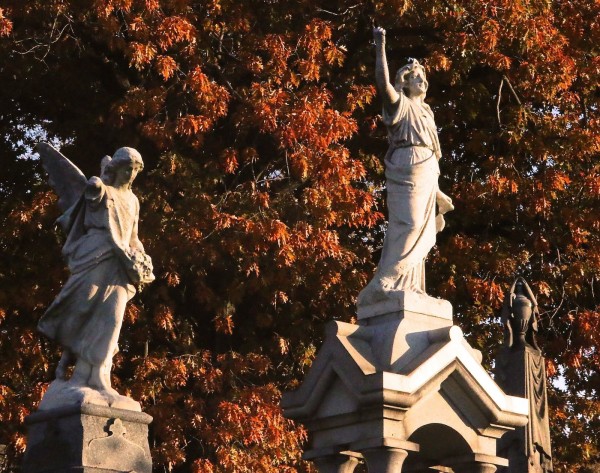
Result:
[[385, 459], [475, 463], [344, 462], [479, 468], [428, 468]]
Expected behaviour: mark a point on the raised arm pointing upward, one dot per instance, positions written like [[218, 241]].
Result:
[[411, 170]]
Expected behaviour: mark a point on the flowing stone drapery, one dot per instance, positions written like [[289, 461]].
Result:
[[411, 192]]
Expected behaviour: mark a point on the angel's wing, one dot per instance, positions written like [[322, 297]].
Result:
[[64, 177]]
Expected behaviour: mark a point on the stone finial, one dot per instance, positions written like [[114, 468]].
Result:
[[519, 315]]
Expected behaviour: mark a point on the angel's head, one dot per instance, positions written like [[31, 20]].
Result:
[[122, 168], [411, 80]]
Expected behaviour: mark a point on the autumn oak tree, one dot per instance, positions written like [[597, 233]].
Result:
[[262, 204]]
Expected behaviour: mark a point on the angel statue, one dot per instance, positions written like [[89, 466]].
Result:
[[106, 260], [411, 170]]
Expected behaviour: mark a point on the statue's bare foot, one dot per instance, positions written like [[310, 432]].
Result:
[[111, 396], [112, 393]]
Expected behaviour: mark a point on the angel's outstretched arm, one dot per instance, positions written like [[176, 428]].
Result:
[[382, 73], [94, 190]]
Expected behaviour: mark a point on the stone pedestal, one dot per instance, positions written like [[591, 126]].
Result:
[[404, 390], [87, 439], [521, 371]]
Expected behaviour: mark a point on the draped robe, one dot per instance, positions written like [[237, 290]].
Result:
[[86, 316], [411, 170]]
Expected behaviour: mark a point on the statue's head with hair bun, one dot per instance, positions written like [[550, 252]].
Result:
[[404, 75]]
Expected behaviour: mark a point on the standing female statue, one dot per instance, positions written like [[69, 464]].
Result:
[[106, 260], [411, 170]]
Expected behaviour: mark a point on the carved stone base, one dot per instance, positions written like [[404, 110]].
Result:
[[406, 302], [86, 439], [61, 394], [406, 391]]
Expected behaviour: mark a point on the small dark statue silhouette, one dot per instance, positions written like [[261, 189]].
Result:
[[520, 371], [519, 316]]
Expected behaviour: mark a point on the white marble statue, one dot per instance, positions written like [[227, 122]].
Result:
[[411, 170], [106, 260]]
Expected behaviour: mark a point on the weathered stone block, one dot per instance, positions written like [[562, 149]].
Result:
[[87, 438]]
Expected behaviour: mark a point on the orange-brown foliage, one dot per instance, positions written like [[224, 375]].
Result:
[[261, 199]]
